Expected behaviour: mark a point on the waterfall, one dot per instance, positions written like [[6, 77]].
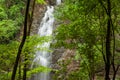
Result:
[[43, 58], [58, 2]]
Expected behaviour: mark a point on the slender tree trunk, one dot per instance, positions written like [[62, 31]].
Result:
[[22, 43], [31, 17], [108, 42], [30, 20], [25, 69], [19, 70], [115, 71]]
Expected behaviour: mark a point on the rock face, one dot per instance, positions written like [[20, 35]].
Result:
[[61, 55], [37, 17], [56, 56], [63, 61], [51, 2]]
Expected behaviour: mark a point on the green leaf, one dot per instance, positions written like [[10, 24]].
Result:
[[41, 1]]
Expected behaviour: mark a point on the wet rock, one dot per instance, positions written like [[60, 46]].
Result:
[[57, 54]]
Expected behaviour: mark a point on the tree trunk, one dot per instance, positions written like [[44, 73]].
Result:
[[22, 43], [19, 70], [108, 42], [30, 20], [115, 71]]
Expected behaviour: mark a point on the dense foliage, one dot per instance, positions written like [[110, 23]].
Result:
[[84, 28], [11, 19]]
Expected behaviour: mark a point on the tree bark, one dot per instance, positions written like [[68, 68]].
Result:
[[115, 71], [30, 20], [19, 70], [108, 42], [22, 43]]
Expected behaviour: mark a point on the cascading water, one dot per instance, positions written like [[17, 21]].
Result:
[[58, 2], [43, 58]]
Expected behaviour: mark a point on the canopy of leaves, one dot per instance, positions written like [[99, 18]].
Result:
[[83, 27], [11, 19]]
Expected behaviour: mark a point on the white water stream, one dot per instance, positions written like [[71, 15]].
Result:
[[58, 2], [43, 58]]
